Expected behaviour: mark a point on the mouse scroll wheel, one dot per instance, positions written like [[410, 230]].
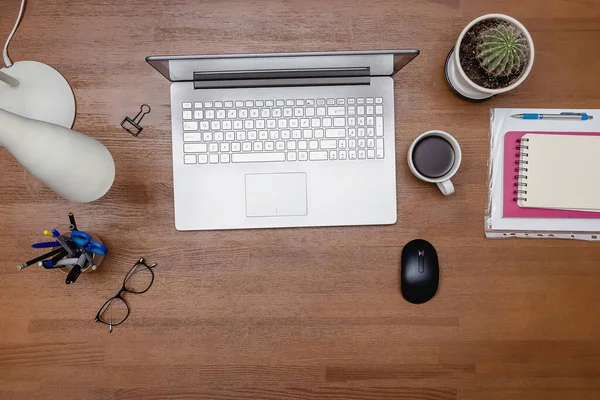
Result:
[[421, 261]]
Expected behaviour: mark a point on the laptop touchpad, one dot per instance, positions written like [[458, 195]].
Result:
[[276, 195]]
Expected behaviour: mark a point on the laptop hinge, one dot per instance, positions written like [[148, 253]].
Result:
[[282, 77]]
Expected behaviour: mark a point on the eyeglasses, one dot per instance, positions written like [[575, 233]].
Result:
[[137, 281]]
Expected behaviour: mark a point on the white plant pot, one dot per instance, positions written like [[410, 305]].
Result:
[[74, 165], [460, 83]]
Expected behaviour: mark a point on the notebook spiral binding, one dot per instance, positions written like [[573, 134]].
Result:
[[520, 184]]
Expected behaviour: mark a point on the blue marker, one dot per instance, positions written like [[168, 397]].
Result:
[[44, 245], [562, 115]]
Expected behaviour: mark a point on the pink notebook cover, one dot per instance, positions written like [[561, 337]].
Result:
[[511, 208]]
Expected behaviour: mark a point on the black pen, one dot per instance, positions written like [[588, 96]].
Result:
[[73, 226], [40, 258], [52, 262]]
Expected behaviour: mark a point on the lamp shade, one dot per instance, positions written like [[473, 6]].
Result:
[[77, 167]]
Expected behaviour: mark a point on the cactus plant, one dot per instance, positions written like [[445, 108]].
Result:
[[502, 50]]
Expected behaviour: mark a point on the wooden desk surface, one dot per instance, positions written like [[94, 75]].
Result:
[[295, 313]]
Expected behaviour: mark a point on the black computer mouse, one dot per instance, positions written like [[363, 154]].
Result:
[[419, 271]]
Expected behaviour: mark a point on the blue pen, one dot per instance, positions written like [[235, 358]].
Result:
[[562, 115], [44, 245]]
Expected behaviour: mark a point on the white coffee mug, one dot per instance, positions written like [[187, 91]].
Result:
[[443, 182]]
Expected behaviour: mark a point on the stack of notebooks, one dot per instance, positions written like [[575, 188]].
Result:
[[544, 176]]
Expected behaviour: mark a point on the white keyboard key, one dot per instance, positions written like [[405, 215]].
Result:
[[379, 126], [228, 104], [351, 100], [192, 137], [252, 135], [285, 134], [370, 132], [208, 104], [291, 145], [334, 111], [370, 121], [221, 114], [280, 146], [378, 110], [218, 104], [236, 146], [265, 113], [318, 155], [310, 112], [342, 143], [254, 113], [239, 104], [257, 146], [257, 157], [187, 114], [329, 144], [190, 126], [321, 111], [339, 121], [208, 136], [319, 133], [237, 124], [202, 158], [260, 103], [290, 102], [260, 124], [369, 100], [361, 132], [198, 114], [352, 132], [370, 143], [351, 121], [351, 110], [271, 124], [226, 124], [288, 112], [282, 123], [379, 100], [310, 102], [232, 114], [224, 147], [340, 101], [269, 146], [209, 114], [333, 154], [379, 148], [293, 123], [215, 125], [315, 122], [361, 143], [313, 145], [219, 136], [327, 122], [299, 102], [335, 133], [302, 156], [360, 110], [360, 121], [276, 113], [360, 100], [230, 135], [213, 147], [370, 153], [370, 110], [352, 154], [273, 135], [362, 154], [213, 158], [280, 103], [243, 113], [263, 135], [296, 133], [304, 123], [302, 145], [342, 155], [291, 156], [269, 103], [225, 158], [247, 146], [307, 133], [198, 104], [320, 102], [352, 143], [204, 125], [189, 159], [249, 103], [240, 135], [186, 105], [330, 102], [298, 112], [249, 124]]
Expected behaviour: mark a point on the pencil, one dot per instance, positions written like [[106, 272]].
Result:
[[40, 258]]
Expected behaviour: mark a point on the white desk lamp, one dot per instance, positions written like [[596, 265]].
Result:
[[37, 110]]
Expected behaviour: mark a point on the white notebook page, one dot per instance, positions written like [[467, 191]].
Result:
[[562, 171]]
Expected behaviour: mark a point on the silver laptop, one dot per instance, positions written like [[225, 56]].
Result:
[[283, 140]]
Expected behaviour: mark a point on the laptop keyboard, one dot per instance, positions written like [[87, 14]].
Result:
[[293, 130]]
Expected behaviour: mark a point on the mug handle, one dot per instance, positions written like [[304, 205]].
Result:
[[446, 187]]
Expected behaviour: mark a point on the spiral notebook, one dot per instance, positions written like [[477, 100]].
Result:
[[512, 162], [559, 172]]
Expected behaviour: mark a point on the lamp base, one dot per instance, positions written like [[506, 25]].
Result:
[[43, 94]]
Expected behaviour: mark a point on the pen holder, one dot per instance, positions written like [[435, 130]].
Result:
[[96, 257]]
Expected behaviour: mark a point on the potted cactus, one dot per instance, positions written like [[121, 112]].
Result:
[[493, 54]]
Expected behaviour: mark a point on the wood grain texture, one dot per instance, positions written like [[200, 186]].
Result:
[[295, 313]]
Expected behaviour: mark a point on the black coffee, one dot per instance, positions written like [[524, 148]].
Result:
[[433, 156]]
